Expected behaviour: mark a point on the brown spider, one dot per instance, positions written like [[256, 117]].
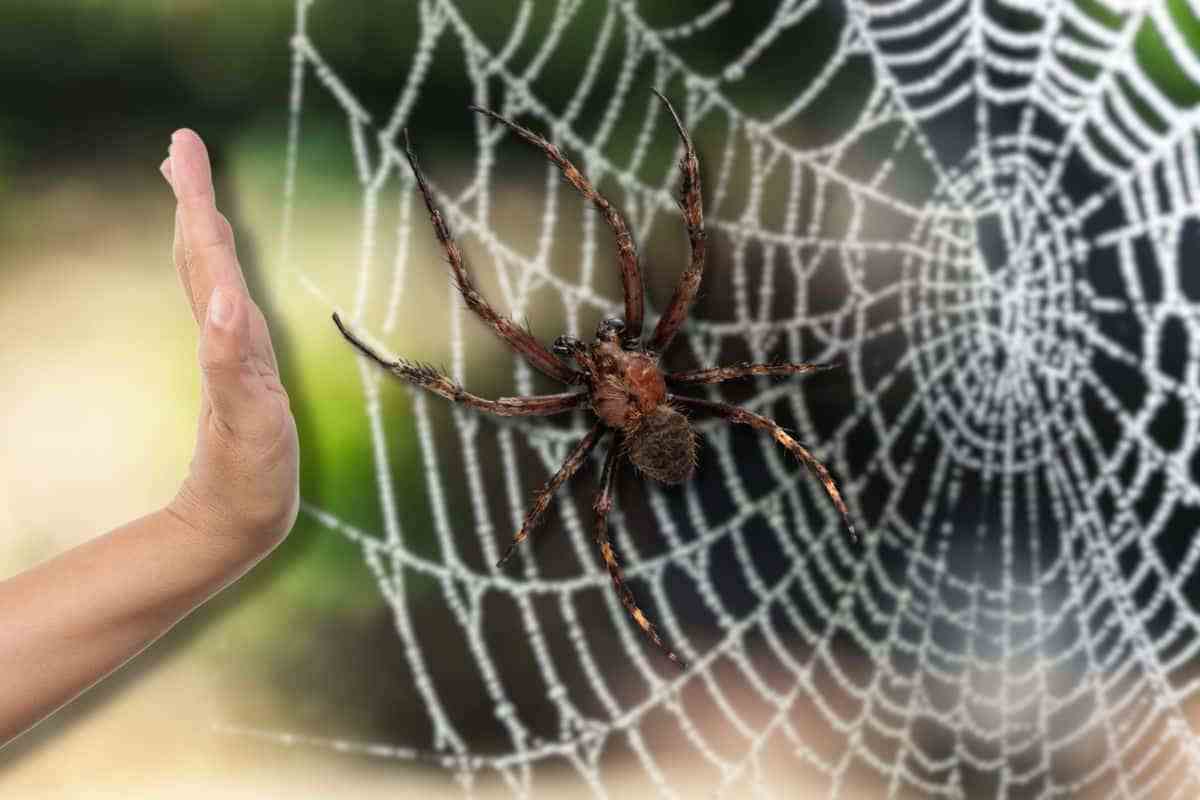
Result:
[[623, 383]]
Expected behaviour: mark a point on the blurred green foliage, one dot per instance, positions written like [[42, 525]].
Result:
[[1152, 54]]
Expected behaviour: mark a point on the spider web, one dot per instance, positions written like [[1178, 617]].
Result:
[[983, 209]]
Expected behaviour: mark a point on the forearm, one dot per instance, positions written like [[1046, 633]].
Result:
[[70, 621]]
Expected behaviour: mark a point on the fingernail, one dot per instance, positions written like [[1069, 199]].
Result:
[[220, 307], [174, 139], [165, 168]]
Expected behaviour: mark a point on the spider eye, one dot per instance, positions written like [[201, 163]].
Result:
[[610, 328], [562, 346]]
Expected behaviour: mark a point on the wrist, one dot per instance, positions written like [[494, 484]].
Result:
[[216, 531]]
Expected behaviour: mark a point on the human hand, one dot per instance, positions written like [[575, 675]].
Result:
[[129, 586], [243, 483]]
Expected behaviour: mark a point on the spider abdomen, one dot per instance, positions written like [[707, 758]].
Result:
[[663, 445]]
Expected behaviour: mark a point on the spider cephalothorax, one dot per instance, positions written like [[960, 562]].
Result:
[[620, 374]]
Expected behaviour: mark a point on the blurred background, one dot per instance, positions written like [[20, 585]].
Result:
[[99, 390]]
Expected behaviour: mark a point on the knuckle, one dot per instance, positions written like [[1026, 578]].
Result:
[[206, 250], [194, 199], [221, 362]]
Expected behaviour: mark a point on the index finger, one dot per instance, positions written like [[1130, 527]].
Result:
[[209, 255]]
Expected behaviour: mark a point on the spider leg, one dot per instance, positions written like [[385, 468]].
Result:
[[517, 337], [741, 416], [603, 504], [747, 370], [693, 214], [429, 378], [631, 279], [541, 501]]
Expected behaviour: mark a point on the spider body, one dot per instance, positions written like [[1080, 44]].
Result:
[[620, 373], [628, 392]]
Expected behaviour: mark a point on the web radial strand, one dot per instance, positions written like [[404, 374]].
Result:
[[986, 213]]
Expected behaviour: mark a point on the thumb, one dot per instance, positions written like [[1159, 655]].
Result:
[[225, 362]]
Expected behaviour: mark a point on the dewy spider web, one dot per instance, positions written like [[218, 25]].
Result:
[[994, 241]]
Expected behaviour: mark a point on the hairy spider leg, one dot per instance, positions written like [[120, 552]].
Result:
[[693, 214], [545, 494], [741, 416], [517, 337], [734, 372], [427, 377], [631, 279], [603, 505]]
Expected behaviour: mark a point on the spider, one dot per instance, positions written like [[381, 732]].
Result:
[[618, 372]]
